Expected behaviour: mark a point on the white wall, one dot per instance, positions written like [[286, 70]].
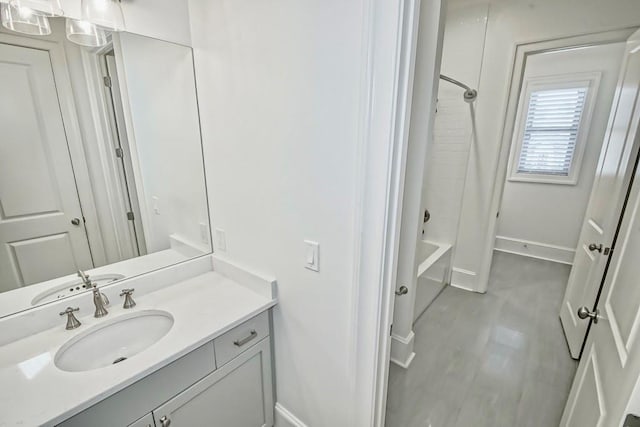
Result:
[[511, 23], [161, 113], [446, 162], [279, 90], [547, 218]]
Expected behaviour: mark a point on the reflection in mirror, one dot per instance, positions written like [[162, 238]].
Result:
[[100, 163]]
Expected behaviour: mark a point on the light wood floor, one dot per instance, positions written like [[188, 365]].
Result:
[[495, 359]]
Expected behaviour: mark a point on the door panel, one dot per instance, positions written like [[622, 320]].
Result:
[[588, 411], [39, 259], [614, 337], [38, 195], [213, 401], [609, 189]]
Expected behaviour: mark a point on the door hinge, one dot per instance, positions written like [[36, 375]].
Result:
[[130, 216], [391, 329], [498, 214], [119, 153], [107, 81]]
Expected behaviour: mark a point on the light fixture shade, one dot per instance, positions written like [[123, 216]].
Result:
[[105, 13], [85, 33], [40, 7], [23, 20]]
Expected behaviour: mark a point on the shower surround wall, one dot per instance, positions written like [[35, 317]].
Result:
[[446, 163]]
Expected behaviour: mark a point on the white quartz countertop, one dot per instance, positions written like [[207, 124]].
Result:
[[33, 391]]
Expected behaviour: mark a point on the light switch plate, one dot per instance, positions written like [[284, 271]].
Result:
[[312, 255], [221, 240]]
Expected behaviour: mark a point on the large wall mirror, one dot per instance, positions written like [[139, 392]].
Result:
[[101, 165]]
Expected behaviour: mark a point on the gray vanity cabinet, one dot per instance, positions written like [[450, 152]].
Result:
[[226, 382], [146, 421], [236, 395]]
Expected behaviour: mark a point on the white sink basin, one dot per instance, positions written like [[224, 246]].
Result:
[[113, 341], [73, 287]]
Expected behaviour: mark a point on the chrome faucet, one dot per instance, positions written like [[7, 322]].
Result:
[[100, 300]]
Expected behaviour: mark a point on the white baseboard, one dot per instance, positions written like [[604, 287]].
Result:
[[404, 363], [402, 349], [537, 250], [284, 418], [463, 279]]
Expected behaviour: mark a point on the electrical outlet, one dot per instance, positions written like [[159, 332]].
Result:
[[221, 240], [156, 205]]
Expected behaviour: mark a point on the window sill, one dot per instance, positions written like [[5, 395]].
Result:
[[543, 179]]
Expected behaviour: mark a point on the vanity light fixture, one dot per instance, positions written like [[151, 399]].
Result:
[[85, 33], [105, 13], [46, 8], [24, 20]]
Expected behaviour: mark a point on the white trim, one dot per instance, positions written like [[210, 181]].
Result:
[[109, 195], [404, 364], [463, 279], [521, 52], [382, 150], [380, 185], [145, 214], [284, 417], [544, 251], [589, 80], [402, 349]]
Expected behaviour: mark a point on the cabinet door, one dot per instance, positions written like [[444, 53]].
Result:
[[146, 421], [239, 394]]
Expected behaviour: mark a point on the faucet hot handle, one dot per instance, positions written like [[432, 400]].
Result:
[[72, 322], [128, 300]]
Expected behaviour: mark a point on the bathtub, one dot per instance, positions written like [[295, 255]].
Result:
[[434, 272]]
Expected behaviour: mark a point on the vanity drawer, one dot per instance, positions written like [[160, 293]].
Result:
[[240, 338]]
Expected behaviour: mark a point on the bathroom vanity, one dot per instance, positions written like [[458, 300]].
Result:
[[113, 309], [192, 352]]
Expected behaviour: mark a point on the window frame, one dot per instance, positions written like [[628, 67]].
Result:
[[563, 81]]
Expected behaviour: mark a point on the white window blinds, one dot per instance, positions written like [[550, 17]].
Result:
[[551, 131]]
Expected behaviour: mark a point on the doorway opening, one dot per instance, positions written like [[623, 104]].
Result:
[[507, 353]]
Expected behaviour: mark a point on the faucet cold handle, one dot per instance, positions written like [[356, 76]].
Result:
[[72, 322], [128, 299]]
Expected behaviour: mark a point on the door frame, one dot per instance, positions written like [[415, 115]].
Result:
[[112, 195], [55, 46], [384, 133], [390, 41], [522, 52]]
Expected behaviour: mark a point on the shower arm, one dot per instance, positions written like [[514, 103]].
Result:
[[469, 94]]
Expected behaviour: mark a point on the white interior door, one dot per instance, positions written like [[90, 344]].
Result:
[[38, 196], [609, 189], [610, 365]]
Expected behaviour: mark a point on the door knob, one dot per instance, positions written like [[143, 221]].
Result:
[[583, 313], [165, 421], [594, 247], [402, 291], [75, 221]]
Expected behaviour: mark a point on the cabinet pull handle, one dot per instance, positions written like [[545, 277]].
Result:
[[165, 421], [243, 341]]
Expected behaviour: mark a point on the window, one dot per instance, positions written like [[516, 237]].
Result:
[[551, 132]]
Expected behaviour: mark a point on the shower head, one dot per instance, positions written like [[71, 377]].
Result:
[[470, 95]]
